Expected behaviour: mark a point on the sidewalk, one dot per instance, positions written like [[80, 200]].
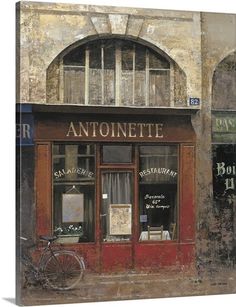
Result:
[[95, 287]]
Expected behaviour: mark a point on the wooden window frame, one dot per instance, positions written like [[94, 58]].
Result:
[[118, 76]]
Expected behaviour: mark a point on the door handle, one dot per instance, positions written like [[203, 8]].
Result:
[[102, 215]]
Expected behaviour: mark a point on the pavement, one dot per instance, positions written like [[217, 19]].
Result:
[[133, 285]]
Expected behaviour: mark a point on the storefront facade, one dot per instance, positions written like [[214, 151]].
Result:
[[133, 178], [117, 119]]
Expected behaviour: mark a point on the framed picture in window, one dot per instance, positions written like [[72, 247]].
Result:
[[72, 208], [120, 219]]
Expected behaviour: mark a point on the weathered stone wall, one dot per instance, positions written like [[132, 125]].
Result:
[[46, 29]]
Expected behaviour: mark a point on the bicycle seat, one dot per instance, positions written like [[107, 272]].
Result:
[[48, 238]]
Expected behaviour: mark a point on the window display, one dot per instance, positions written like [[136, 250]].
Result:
[[74, 191], [158, 177], [116, 210]]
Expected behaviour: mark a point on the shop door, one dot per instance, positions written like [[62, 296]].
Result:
[[116, 220]]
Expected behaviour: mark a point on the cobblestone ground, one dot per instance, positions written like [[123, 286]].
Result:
[[102, 287]]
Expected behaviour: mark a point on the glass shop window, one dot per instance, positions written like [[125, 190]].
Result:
[[74, 192], [117, 154], [158, 186], [117, 206], [224, 192]]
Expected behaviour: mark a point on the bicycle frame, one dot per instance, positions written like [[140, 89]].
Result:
[[46, 255]]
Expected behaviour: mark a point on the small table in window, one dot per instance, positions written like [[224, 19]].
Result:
[[144, 236]]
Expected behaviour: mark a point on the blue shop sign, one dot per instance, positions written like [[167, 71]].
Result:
[[24, 126]]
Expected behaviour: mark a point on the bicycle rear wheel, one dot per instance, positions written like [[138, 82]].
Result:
[[63, 270]]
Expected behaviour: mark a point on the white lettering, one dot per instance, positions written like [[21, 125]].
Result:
[[132, 130], [141, 174], [83, 128], [56, 175], [26, 131], [104, 129], [149, 129], [109, 129], [141, 126], [228, 170], [71, 130], [121, 129], [112, 130], [94, 125], [220, 168], [23, 130], [229, 183], [159, 128], [73, 170], [154, 170]]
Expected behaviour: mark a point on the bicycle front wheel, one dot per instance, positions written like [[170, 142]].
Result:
[[63, 270]]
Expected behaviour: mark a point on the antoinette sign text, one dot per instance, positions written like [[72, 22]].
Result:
[[114, 130]]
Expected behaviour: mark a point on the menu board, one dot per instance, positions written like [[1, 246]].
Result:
[[120, 219], [156, 201]]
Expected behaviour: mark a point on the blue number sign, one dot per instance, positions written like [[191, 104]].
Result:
[[194, 101]]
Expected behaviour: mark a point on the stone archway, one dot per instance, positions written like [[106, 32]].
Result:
[[224, 83]]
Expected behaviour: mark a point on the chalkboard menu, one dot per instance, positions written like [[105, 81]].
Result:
[[156, 201], [157, 205]]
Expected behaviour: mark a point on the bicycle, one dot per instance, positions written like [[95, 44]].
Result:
[[57, 269]]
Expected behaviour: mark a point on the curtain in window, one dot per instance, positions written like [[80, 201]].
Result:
[[116, 189]]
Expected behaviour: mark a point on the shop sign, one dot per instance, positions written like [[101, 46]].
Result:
[[224, 123], [74, 170], [24, 126], [224, 170], [98, 128], [158, 170], [115, 130]]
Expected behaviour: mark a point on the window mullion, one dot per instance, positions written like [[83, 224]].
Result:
[[102, 73], [61, 97], [147, 79], [86, 76], [133, 74], [118, 74], [171, 77]]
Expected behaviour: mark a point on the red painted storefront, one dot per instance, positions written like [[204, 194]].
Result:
[[53, 126]]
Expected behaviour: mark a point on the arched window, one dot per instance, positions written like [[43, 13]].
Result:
[[116, 72], [224, 84]]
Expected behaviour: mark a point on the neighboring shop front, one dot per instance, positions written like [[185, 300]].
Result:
[[224, 182], [224, 157]]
